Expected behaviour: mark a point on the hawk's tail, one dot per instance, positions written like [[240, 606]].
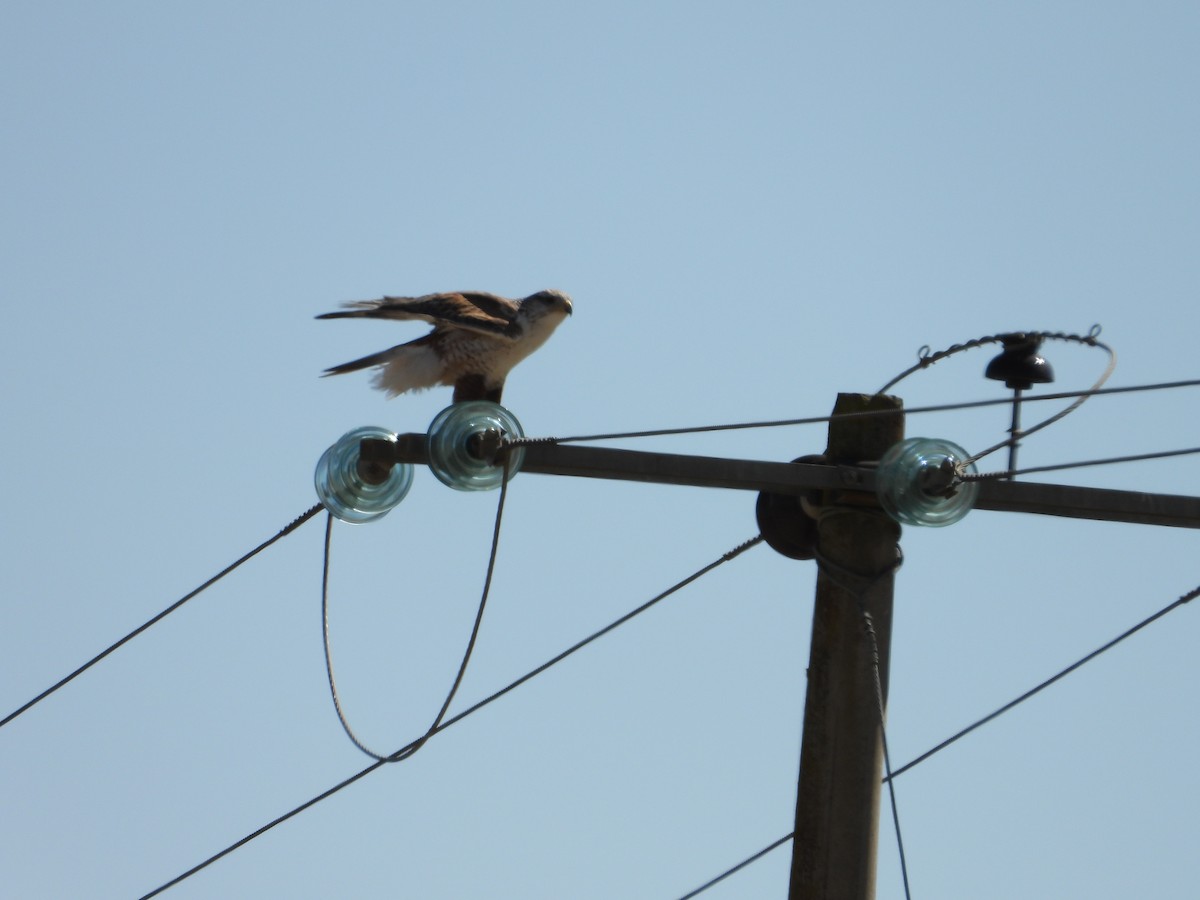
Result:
[[361, 309], [407, 367], [375, 359]]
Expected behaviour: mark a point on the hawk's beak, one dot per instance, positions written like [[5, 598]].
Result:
[[567, 305]]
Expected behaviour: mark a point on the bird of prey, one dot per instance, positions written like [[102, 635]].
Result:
[[476, 340]]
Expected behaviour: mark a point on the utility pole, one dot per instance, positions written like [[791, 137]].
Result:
[[841, 756], [841, 760], [832, 503]]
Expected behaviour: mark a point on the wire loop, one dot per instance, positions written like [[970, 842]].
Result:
[[408, 750], [458, 717], [1090, 339]]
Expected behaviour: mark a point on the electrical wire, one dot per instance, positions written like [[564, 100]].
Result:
[[857, 586], [818, 420], [887, 755], [735, 869], [811, 420], [1137, 457], [440, 723], [1174, 604], [404, 754], [286, 530], [458, 717]]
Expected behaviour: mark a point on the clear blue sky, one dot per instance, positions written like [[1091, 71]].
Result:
[[753, 210]]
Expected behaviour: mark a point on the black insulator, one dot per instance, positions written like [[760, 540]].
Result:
[[785, 524], [1020, 366]]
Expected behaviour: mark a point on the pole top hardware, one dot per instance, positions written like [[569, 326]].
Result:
[[1020, 366]]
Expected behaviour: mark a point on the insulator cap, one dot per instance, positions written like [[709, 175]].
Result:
[[463, 439], [916, 482], [358, 493], [1020, 366]]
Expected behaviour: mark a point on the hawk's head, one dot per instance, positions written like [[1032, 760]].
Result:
[[544, 303]]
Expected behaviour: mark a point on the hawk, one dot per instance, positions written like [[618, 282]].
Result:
[[476, 340]]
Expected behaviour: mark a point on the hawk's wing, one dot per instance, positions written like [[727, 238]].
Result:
[[470, 310]]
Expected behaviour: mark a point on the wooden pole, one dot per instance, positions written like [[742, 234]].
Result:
[[841, 756]]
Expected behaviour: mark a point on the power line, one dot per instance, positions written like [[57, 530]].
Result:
[[1190, 595], [413, 745], [818, 420], [737, 868], [286, 530], [887, 756], [441, 723], [846, 580], [812, 420], [1137, 457]]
